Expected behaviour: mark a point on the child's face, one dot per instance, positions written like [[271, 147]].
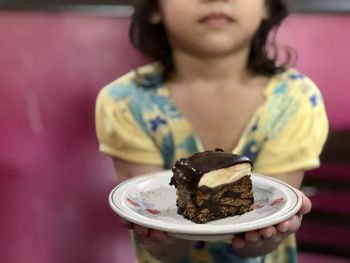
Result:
[[210, 27]]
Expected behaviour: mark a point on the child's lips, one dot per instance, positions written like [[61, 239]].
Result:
[[216, 21]]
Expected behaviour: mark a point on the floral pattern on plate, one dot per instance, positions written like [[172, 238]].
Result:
[[142, 206]]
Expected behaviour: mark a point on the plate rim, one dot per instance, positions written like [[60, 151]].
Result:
[[197, 231]]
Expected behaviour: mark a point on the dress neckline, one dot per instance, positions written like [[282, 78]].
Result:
[[267, 91]]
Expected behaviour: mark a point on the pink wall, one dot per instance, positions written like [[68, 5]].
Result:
[[323, 46], [54, 183]]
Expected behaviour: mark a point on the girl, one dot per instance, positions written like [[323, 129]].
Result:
[[213, 86]]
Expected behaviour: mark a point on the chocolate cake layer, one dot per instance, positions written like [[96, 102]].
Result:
[[214, 203]]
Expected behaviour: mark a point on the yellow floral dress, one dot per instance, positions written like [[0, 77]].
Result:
[[137, 121]]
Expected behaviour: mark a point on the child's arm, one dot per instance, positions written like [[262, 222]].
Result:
[[126, 170]]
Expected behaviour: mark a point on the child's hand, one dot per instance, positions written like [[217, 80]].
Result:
[[271, 237], [147, 236]]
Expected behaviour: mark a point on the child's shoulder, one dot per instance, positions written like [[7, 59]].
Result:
[[138, 76], [292, 82], [135, 82]]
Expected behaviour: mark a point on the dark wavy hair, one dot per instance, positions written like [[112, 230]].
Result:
[[152, 40]]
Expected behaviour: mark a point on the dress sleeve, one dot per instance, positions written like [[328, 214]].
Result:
[[119, 135], [297, 146]]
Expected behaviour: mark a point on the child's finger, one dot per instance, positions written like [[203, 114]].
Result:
[[283, 227], [268, 232], [294, 223], [305, 206], [252, 236], [140, 231], [238, 242], [159, 236]]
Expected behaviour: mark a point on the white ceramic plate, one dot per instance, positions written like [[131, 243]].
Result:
[[150, 201]]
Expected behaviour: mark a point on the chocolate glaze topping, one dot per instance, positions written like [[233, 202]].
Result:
[[190, 170]]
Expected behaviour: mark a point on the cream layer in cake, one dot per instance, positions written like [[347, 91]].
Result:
[[225, 175]]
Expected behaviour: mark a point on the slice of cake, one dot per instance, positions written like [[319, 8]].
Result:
[[212, 184]]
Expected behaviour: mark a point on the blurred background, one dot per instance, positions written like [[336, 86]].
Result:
[[54, 58]]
